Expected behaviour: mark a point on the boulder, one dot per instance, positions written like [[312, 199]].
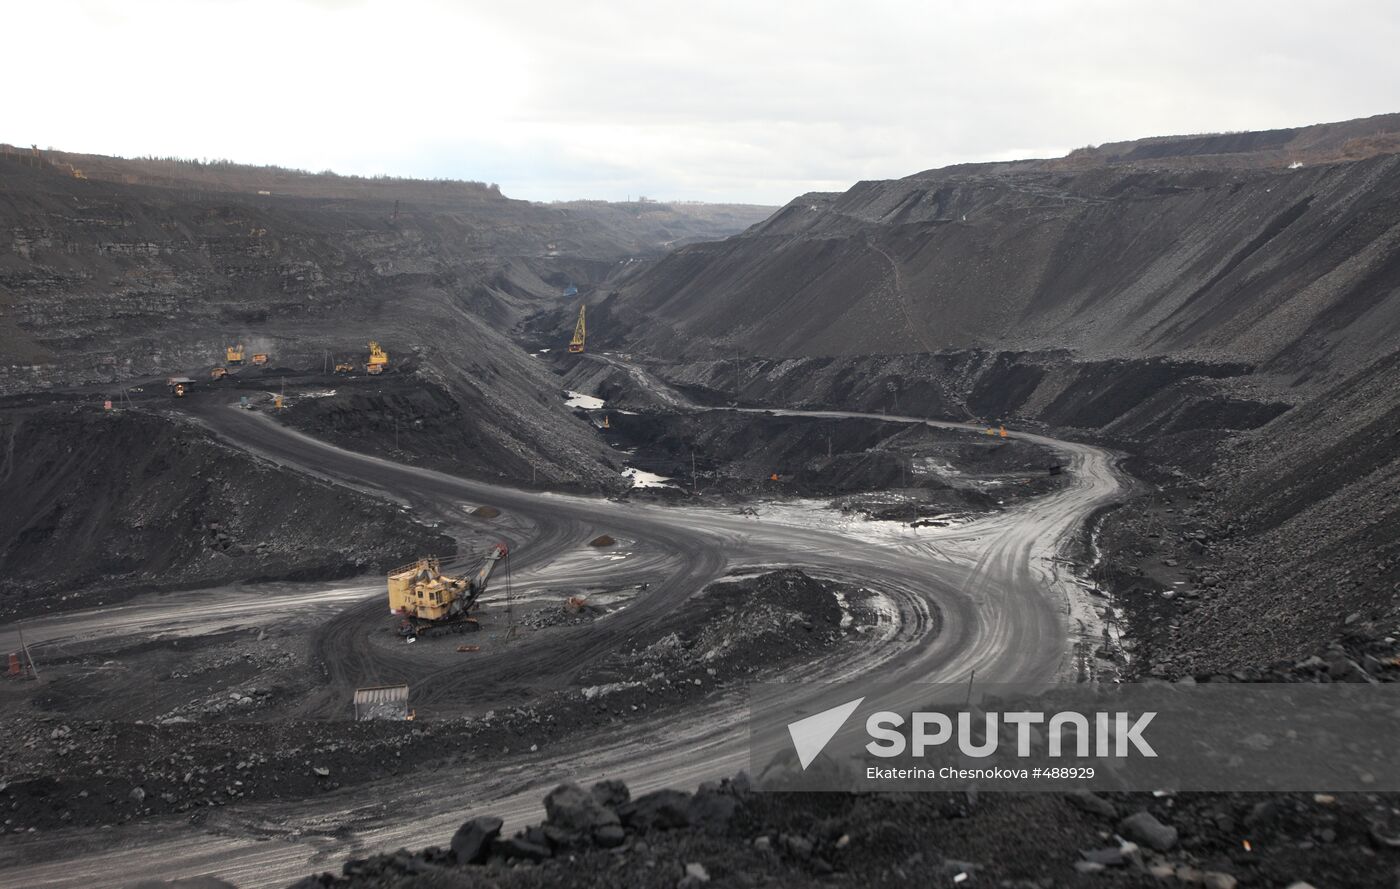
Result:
[[1144, 827], [571, 808], [610, 836], [1092, 803], [658, 810], [472, 841], [613, 794], [712, 811], [521, 849]]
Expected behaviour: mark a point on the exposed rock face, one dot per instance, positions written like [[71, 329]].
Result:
[[1286, 269], [103, 280]]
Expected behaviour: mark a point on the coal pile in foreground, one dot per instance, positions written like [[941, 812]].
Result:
[[729, 834]]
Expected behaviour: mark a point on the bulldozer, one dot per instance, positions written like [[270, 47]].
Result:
[[378, 359], [344, 367], [233, 355], [218, 373], [428, 600]]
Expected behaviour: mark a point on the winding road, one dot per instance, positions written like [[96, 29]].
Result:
[[984, 596]]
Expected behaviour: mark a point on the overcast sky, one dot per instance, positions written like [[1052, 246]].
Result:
[[749, 101]]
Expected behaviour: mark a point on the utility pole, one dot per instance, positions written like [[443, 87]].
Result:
[[692, 472], [28, 658]]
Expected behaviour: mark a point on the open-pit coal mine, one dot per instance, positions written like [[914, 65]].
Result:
[[343, 548]]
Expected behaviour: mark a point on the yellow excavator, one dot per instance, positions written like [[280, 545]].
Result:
[[378, 359], [233, 355], [429, 600], [580, 333]]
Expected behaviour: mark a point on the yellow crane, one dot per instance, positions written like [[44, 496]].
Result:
[[378, 359], [580, 333]]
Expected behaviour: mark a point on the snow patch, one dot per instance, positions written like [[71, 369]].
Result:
[[596, 691], [587, 402], [643, 479]]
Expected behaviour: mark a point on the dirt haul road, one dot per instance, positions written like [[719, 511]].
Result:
[[984, 596]]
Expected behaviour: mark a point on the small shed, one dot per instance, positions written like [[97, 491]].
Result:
[[382, 702]]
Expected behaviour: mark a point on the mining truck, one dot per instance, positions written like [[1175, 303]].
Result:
[[429, 601]]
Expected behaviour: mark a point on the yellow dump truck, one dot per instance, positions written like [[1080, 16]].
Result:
[[428, 600]]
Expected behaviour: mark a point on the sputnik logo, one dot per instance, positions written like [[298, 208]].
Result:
[[811, 734]]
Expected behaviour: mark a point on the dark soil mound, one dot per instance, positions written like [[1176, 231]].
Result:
[[102, 505]]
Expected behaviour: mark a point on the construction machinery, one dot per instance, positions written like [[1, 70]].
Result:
[[233, 355], [378, 359], [429, 600], [580, 333], [260, 359], [218, 373], [344, 367], [178, 386]]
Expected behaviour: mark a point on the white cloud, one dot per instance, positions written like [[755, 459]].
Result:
[[743, 101]]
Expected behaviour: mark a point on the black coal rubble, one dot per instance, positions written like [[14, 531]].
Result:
[[602, 817], [1363, 653]]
